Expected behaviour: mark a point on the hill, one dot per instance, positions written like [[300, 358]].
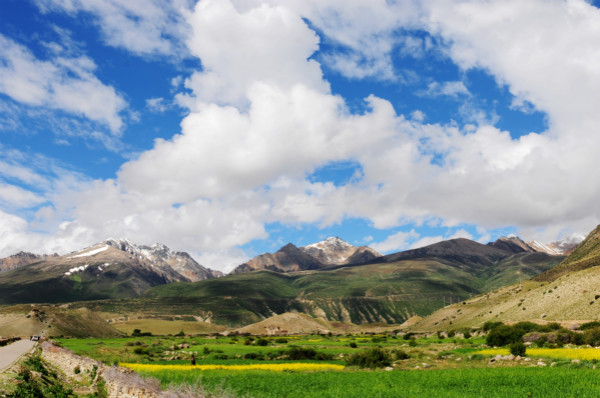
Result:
[[28, 320], [585, 255], [567, 293]]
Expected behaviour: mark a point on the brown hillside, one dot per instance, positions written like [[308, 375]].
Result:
[[586, 255]]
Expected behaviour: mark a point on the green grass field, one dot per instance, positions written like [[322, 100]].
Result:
[[454, 383], [449, 367]]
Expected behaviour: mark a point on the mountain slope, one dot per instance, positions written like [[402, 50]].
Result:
[[20, 259], [115, 268], [388, 292], [288, 258], [335, 251], [586, 255], [462, 253], [568, 293], [512, 244], [321, 255]]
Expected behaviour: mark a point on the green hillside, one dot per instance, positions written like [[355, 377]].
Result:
[[44, 283], [385, 292]]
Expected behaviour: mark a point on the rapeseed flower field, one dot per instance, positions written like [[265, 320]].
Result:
[[587, 354]]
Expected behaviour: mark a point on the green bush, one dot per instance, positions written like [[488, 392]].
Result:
[[281, 340], [400, 355], [262, 342], [372, 358], [352, 344], [592, 336], [589, 325], [298, 353], [490, 325], [254, 355], [518, 348]]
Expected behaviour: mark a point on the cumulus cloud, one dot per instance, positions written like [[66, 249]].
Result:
[[395, 242], [266, 44], [66, 84]]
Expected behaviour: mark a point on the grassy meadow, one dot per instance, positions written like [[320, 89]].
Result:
[[318, 366]]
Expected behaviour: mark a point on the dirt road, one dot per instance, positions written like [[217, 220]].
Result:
[[12, 352]]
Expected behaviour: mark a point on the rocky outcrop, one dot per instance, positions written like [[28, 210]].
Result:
[[119, 382]]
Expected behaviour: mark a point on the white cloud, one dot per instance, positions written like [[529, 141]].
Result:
[[549, 57], [66, 84], [238, 49], [364, 34], [157, 105], [144, 27], [450, 89], [396, 242]]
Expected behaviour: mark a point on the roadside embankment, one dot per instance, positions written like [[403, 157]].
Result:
[[118, 382]]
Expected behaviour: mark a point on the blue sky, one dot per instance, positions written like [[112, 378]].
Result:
[[227, 128]]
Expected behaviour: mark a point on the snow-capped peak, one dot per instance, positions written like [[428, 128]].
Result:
[[332, 242]]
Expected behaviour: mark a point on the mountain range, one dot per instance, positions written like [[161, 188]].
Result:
[[387, 289], [331, 279]]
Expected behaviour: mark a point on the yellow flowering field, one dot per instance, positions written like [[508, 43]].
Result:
[[559, 353], [277, 367]]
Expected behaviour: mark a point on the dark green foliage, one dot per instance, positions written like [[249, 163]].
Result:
[[589, 325], [489, 325], [412, 343], [180, 334], [35, 363], [518, 348], [400, 355], [299, 353], [281, 340], [371, 358], [408, 336], [262, 342], [254, 355], [592, 336], [467, 335], [503, 335], [352, 344], [141, 351], [47, 386], [138, 333], [440, 335]]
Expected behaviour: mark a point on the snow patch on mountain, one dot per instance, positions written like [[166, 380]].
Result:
[[91, 252], [76, 269]]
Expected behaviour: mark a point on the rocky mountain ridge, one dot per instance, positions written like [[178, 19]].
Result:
[[20, 259], [325, 254]]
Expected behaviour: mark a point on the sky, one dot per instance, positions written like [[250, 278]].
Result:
[[228, 128]]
